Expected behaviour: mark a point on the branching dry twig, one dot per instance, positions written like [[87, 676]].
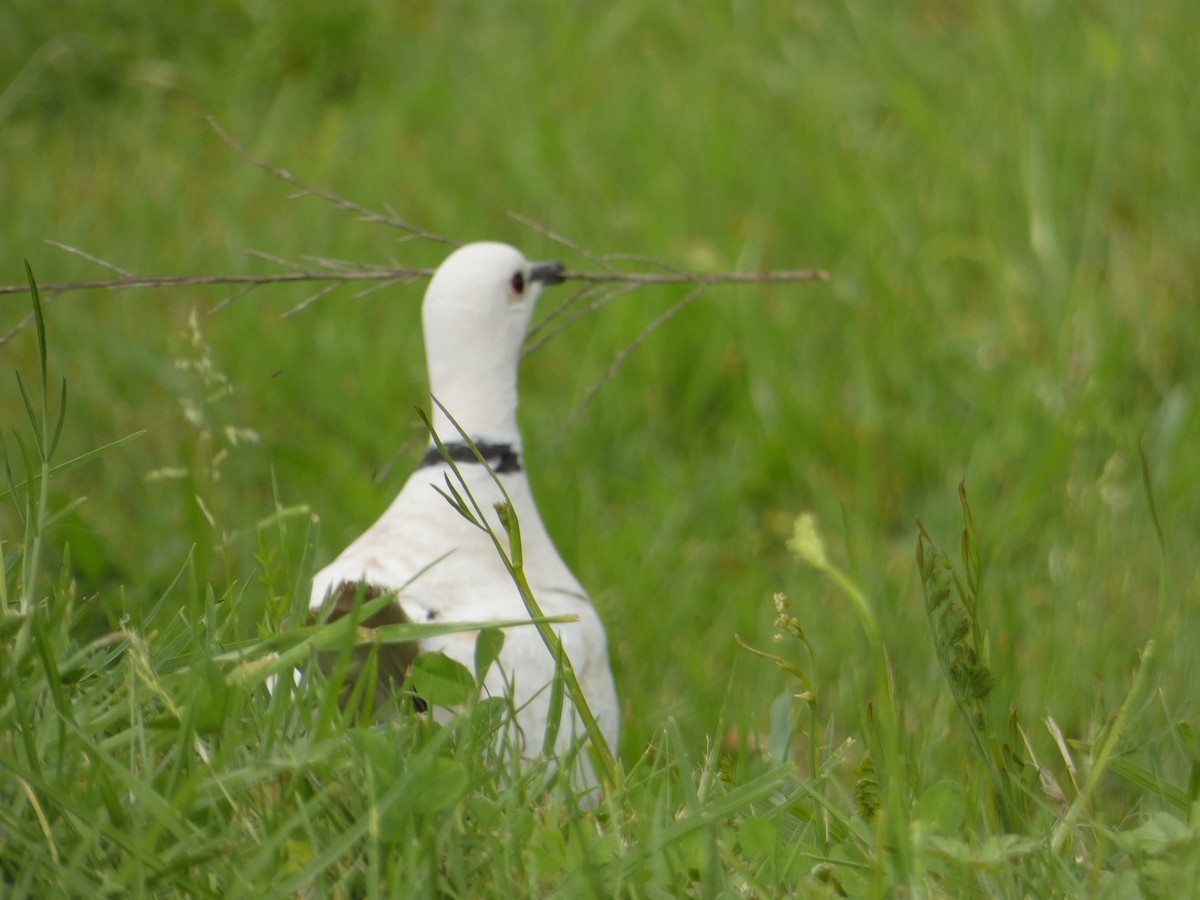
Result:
[[599, 287], [403, 274], [565, 315], [341, 271], [167, 281], [561, 239], [706, 279], [624, 354], [102, 263], [366, 215]]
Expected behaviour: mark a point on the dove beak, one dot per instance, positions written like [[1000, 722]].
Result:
[[547, 272]]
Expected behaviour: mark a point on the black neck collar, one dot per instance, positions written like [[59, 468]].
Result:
[[502, 457]]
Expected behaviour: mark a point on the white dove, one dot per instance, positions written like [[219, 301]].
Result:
[[475, 315]]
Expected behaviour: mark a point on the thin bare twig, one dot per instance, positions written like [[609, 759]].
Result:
[[311, 299], [587, 292], [371, 289], [236, 295], [337, 265], [188, 280], [104, 264], [278, 260], [561, 239], [365, 214], [404, 274], [711, 278], [624, 354], [541, 334], [339, 272], [19, 327], [642, 260]]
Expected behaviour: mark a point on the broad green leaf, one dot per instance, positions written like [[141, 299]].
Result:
[[487, 650], [441, 681]]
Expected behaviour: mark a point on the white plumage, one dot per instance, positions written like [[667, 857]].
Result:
[[475, 315]]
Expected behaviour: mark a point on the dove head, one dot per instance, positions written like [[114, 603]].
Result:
[[476, 311]]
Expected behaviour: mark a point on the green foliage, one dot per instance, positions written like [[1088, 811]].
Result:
[[1004, 196], [1004, 825], [153, 761], [959, 638]]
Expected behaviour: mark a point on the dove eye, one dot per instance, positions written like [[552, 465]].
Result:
[[518, 284]]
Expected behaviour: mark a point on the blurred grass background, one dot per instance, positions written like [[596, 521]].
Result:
[[1004, 195]]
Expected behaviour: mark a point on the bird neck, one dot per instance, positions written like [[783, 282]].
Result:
[[474, 379], [485, 412], [472, 346]]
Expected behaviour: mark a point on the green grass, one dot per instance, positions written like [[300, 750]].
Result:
[[1004, 198]]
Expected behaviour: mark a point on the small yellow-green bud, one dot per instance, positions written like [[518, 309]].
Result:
[[806, 541]]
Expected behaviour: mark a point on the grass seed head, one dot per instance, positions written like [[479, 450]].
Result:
[[806, 541]]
